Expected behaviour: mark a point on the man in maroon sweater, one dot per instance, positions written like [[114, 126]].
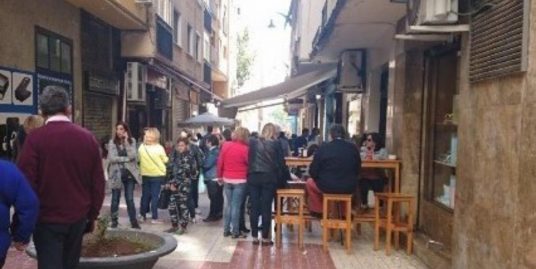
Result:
[[63, 164]]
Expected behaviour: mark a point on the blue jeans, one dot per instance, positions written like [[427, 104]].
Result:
[[129, 198], [234, 194], [150, 188]]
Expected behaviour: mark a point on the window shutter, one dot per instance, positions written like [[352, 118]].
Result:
[[499, 37]]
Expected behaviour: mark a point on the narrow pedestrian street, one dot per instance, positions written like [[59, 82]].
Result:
[[204, 247]]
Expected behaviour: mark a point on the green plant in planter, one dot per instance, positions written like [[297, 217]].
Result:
[[102, 226]]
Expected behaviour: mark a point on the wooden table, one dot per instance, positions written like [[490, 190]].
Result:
[[383, 164]]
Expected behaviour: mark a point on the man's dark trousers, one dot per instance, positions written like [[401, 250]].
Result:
[[59, 245], [215, 194]]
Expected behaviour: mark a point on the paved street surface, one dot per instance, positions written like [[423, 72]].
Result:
[[204, 247]]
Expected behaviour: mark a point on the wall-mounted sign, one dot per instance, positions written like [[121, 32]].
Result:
[[352, 71], [103, 85], [17, 94], [156, 79], [182, 91]]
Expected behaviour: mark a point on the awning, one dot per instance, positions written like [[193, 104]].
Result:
[[292, 88], [165, 69]]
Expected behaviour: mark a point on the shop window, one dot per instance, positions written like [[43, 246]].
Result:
[[442, 71], [53, 52]]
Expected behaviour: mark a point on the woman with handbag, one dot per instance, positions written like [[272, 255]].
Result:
[[267, 172], [182, 170], [123, 172], [153, 161]]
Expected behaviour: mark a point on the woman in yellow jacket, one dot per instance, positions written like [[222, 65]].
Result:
[[153, 161]]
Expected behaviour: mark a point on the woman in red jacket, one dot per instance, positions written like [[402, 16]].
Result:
[[232, 170]]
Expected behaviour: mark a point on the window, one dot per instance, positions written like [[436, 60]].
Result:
[[190, 40], [198, 47], [207, 46], [53, 52], [224, 20], [177, 28], [164, 10]]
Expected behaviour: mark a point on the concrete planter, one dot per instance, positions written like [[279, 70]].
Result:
[[165, 244]]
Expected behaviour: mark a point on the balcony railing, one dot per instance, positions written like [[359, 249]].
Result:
[[330, 12]]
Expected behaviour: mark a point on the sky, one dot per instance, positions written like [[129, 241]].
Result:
[[270, 46]]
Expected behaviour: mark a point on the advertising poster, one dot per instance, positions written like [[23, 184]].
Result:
[[5, 87], [17, 91]]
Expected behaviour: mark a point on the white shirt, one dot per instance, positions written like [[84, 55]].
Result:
[[58, 118]]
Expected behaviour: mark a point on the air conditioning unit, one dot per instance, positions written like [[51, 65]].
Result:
[[145, 2], [351, 71], [432, 12], [135, 81]]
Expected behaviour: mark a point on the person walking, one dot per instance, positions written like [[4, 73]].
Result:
[[62, 162], [182, 169], [123, 172], [153, 161], [232, 170], [267, 171], [214, 188], [15, 192]]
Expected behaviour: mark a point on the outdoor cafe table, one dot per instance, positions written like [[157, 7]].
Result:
[[383, 164]]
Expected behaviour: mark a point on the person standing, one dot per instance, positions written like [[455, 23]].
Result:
[[153, 161], [267, 172], [62, 162], [15, 192], [214, 188], [232, 170], [301, 142], [182, 169], [123, 172], [335, 169], [30, 123], [195, 150]]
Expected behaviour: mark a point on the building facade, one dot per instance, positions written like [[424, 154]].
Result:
[[46, 43], [451, 91], [143, 62]]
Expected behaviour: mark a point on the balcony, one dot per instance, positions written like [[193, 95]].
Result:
[[122, 14], [355, 24]]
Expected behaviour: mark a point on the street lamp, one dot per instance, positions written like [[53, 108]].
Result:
[[271, 25]]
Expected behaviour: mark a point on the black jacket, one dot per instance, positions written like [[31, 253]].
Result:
[[266, 156], [335, 167]]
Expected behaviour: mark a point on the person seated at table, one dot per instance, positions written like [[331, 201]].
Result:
[[334, 169], [371, 178]]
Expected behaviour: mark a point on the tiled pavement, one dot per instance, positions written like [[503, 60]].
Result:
[[204, 247]]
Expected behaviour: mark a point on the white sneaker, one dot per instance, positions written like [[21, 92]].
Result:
[[193, 220], [156, 221]]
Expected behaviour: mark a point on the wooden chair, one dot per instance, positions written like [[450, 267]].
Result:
[[393, 223], [342, 221], [293, 214]]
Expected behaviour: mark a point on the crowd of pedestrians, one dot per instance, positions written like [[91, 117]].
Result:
[[59, 186]]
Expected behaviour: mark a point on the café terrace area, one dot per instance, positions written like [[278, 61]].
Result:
[[204, 247]]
